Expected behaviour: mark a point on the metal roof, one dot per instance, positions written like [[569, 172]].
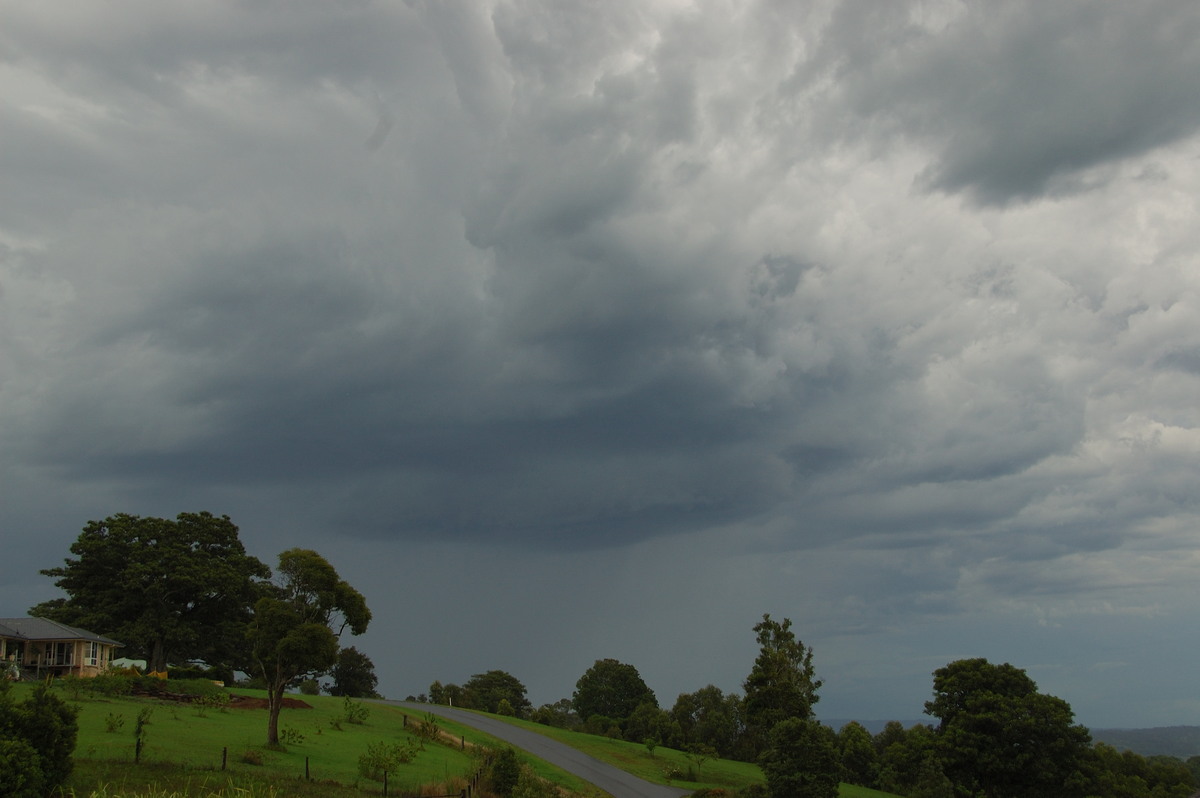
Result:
[[45, 629]]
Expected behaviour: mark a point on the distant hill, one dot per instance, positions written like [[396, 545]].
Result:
[[874, 726], [1180, 741]]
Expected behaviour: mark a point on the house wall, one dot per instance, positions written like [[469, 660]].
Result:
[[76, 657]]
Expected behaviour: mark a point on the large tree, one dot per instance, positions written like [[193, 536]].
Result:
[[999, 737], [612, 689], [486, 691], [170, 590], [297, 624], [782, 683], [354, 675], [709, 717], [801, 760]]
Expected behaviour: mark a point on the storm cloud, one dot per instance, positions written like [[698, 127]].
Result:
[[615, 326]]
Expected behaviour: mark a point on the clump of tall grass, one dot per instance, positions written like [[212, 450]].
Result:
[[230, 789]]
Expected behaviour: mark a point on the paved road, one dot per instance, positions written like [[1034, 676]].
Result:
[[612, 780]]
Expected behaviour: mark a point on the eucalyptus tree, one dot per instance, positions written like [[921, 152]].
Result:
[[298, 622]]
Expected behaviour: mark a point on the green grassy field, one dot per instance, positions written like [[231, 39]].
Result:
[[185, 746], [713, 773], [209, 752]]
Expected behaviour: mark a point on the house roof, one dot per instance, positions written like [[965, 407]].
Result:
[[45, 629]]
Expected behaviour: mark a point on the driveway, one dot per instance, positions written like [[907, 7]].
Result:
[[612, 780]]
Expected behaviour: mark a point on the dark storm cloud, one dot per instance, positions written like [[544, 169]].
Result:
[[608, 302]]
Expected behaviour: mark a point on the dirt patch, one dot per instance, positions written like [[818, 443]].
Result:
[[247, 702]]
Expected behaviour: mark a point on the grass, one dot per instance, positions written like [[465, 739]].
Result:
[[636, 759], [473, 737], [185, 745]]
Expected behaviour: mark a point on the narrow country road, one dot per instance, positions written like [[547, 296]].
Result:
[[612, 780]]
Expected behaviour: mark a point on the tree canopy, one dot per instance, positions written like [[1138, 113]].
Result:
[[782, 683], [487, 691], [297, 624], [612, 689], [170, 590], [801, 760], [354, 675], [1000, 737]]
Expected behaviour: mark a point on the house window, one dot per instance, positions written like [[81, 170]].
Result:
[[58, 654], [91, 653]]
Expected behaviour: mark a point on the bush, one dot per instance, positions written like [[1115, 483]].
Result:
[[22, 769], [355, 711], [45, 725], [529, 785], [506, 771], [252, 757], [384, 757], [310, 687], [113, 682], [291, 736]]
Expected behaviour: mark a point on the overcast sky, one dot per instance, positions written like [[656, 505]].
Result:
[[572, 330]]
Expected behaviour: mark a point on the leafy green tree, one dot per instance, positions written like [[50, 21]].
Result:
[[354, 675], [297, 624], [908, 759], [1000, 737], [485, 691], [1125, 774], [447, 695], [647, 722], [560, 714], [37, 738], [506, 772], [711, 717], [169, 590], [857, 752], [782, 683], [612, 689], [801, 760]]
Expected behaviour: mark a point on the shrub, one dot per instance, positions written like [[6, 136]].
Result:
[[529, 785], [22, 769], [355, 711], [252, 757], [310, 687], [114, 682], [291, 736], [427, 730], [384, 757], [506, 771], [45, 723], [113, 722]]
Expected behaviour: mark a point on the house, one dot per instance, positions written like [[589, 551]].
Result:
[[44, 647]]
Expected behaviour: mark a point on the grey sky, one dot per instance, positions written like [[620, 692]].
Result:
[[578, 330]]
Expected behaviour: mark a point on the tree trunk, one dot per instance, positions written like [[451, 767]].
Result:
[[274, 704], [158, 657]]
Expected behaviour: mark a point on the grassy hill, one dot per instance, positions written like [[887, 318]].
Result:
[[187, 745], [210, 750], [667, 765]]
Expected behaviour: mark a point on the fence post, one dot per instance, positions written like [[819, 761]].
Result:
[[306, 776], [224, 757], [385, 784]]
